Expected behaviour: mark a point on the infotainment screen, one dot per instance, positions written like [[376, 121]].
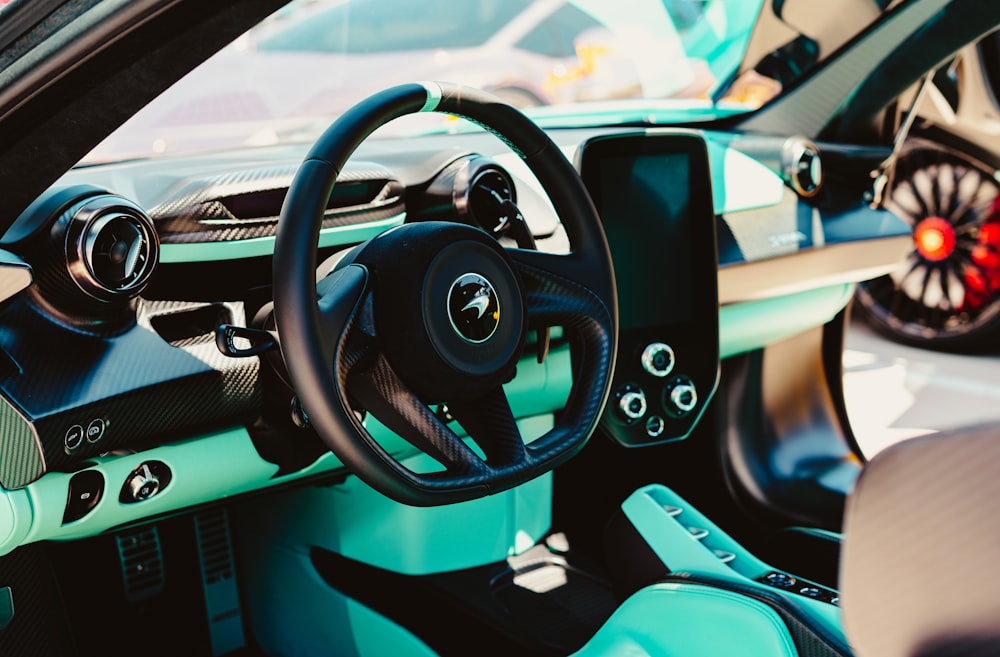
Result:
[[645, 203]]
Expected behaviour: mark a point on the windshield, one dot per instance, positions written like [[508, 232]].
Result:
[[287, 78], [566, 63]]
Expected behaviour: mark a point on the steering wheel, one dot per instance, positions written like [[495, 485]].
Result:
[[437, 312]]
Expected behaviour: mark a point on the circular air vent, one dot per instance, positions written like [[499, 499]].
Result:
[[801, 166], [111, 248]]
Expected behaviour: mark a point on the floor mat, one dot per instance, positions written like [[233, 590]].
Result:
[[561, 606]]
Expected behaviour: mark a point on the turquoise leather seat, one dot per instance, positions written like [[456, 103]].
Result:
[[691, 620]]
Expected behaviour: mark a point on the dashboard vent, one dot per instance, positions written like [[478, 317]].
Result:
[[111, 248], [120, 252], [246, 204], [142, 563], [801, 166]]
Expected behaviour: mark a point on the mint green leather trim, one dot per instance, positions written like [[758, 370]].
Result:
[[264, 246], [667, 620], [8, 519], [673, 543], [740, 182], [209, 467], [225, 463], [755, 324], [366, 526], [433, 96]]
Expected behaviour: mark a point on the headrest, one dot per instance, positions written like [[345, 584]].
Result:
[[920, 565]]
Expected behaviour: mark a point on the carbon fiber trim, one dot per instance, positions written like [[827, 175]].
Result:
[[20, 450], [126, 391], [245, 204]]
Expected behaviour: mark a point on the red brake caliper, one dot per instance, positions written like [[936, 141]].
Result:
[[982, 277]]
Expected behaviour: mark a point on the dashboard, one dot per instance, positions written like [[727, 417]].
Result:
[[123, 396]]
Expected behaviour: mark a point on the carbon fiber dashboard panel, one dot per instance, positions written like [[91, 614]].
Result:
[[21, 454], [75, 395], [245, 204]]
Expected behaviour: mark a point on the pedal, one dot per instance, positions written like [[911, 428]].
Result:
[[218, 578], [141, 561]]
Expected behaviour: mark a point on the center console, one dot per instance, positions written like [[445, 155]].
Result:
[[659, 535], [653, 192]]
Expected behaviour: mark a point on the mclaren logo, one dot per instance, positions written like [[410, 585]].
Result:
[[479, 303], [473, 308]]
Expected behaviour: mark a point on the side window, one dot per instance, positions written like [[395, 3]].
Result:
[[555, 35]]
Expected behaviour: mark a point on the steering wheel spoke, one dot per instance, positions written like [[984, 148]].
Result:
[[491, 423], [344, 304], [556, 291], [381, 392]]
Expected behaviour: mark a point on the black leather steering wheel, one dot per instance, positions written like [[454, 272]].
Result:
[[436, 312]]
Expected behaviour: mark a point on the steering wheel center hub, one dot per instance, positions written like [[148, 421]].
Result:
[[449, 312]]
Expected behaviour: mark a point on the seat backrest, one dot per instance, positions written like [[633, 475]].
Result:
[[920, 566]]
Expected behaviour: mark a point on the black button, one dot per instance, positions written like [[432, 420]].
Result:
[[780, 580], [95, 430], [74, 437], [85, 490], [811, 592], [655, 426]]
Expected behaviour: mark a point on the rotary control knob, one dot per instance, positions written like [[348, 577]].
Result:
[[658, 359], [144, 482], [680, 396], [632, 404]]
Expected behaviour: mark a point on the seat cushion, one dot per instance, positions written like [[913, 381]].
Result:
[[691, 620]]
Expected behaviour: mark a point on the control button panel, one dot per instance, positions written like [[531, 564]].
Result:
[[87, 432], [85, 490], [657, 359], [792, 584], [662, 387], [144, 482]]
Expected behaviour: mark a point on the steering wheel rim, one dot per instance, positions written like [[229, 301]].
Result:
[[331, 332]]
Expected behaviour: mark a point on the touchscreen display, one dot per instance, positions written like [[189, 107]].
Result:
[[645, 203]]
